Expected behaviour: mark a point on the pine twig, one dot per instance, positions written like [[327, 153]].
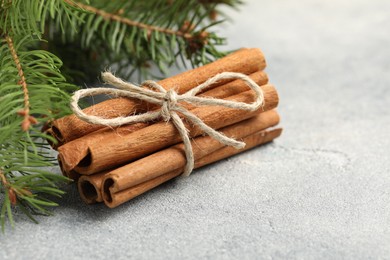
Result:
[[116, 17], [25, 112]]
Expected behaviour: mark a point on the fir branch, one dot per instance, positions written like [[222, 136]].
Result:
[[28, 119], [24, 184], [124, 20], [28, 18], [135, 36], [31, 86]]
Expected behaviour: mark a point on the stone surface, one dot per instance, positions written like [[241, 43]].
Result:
[[321, 191]]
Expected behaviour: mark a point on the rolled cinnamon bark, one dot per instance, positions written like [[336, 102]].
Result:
[[50, 132], [235, 87], [89, 187], [70, 127], [169, 159], [223, 91], [172, 158], [245, 61], [74, 151], [113, 200], [71, 174], [116, 150]]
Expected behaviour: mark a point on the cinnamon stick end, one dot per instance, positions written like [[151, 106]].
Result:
[[52, 143], [72, 174], [88, 192], [106, 192], [57, 134]]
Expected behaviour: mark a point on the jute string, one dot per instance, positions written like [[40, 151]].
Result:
[[170, 105]]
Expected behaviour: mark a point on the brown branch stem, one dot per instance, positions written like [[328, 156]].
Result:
[[22, 82], [116, 17], [7, 186]]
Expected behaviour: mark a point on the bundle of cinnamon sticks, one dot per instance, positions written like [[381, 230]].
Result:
[[115, 164]]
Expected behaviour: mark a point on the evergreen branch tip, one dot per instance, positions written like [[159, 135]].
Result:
[[117, 17], [25, 112]]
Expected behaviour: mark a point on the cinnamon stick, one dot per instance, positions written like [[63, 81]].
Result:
[[169, 159], [50, 132], [237, 86], [116, 150], [245, 61], [89, 187], [74, 151], [113, 200], [229, 151]]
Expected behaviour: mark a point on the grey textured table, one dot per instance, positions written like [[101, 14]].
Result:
[[319, 191]]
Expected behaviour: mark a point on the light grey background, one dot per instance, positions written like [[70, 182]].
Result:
[[321, 191]]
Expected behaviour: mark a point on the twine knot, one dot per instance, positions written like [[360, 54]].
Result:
[[170, 105]]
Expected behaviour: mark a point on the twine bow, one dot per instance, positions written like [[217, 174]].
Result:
[[170, 105]]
